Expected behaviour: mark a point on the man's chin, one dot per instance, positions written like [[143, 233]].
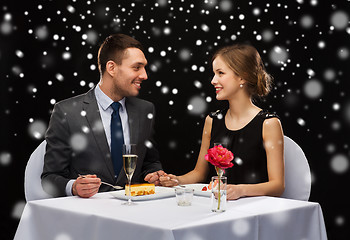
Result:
[[134, 94]]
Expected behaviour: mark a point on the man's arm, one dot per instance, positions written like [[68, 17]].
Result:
[[56, 178], [56, 162]]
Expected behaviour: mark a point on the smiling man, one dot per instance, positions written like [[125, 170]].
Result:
[[86, 132]]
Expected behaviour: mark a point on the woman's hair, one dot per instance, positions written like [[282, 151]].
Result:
[[245, 61], [113, 48]]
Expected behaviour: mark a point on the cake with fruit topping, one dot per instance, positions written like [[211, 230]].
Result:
[[140, 189]]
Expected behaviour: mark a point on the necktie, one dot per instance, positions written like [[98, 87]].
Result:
[[117, 139]]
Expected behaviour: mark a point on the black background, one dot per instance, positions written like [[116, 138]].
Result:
[[35, 37]]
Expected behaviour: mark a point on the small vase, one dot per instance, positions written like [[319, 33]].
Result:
[[218, 193]]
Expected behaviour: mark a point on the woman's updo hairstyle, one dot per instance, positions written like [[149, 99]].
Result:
[[245, 61]]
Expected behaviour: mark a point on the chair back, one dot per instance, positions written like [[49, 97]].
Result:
[[32, 175], [297, 172]]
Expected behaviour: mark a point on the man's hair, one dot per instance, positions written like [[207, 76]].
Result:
[[113, 48]]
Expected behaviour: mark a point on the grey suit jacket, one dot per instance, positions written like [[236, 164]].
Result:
[[77, 144]]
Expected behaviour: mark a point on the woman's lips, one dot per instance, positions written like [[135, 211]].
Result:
[[217, 90]]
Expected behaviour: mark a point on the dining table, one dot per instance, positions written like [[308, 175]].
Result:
[[104, 216]]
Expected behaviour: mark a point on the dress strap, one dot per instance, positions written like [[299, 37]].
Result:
[[267, 115], [218, 114]]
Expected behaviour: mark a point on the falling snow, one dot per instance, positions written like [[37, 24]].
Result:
[[48, 52]]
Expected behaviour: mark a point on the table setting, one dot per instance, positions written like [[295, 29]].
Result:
[[184, 193], [103, 216], [190, 211]]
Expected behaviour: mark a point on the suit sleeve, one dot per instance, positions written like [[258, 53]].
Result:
[[58, 152]]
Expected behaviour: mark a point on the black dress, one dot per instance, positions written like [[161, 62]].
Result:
[[246, 144]]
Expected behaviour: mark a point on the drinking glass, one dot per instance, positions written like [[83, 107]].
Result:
[[129, 164], [184, 196]]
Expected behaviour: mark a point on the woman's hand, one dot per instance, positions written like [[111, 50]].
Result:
[[234, 191], [169, 180]]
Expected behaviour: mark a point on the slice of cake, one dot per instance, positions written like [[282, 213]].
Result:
[[140, 189]]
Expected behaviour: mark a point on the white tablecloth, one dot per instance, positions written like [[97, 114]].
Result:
[[103, 217]]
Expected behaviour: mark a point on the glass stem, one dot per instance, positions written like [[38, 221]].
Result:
[[129, 199], [219, 194]]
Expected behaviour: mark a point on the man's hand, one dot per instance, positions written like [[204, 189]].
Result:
[[86, 186], [154, 177]]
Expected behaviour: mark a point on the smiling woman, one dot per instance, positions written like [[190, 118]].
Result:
[[254, 136], [244, 63]]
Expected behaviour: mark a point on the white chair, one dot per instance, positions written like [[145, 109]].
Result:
[[32, 175], [297, 172]]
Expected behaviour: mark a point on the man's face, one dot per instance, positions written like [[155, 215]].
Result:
[[130, 74]]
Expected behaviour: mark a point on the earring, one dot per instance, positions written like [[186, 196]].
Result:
[[240, 85]]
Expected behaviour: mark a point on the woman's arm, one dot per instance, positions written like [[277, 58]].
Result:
[[198, 174], [273, 143]]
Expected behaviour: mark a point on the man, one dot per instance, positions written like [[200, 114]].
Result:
[[82, 130]]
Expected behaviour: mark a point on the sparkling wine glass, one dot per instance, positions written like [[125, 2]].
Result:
[[129, 164]]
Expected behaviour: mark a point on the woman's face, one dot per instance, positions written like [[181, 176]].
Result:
[[225, 81]]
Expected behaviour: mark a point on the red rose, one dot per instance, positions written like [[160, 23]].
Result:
[[220, 157]]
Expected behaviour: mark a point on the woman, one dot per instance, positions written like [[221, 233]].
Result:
[[254, 136]]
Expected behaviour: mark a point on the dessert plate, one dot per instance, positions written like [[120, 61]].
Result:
[[161, 192]]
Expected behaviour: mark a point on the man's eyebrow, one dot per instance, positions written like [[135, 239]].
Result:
[[140, 63]]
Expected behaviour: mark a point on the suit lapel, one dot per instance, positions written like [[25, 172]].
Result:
[[94, 119], [133, 119]]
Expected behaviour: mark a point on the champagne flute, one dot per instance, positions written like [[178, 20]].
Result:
[[129, 164]]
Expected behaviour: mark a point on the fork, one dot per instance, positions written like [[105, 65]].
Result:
[[115, 187]]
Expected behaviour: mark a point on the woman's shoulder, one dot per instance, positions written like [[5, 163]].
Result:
[[270, 120], [272, 126]]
